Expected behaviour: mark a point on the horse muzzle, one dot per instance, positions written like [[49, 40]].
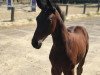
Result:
[[37, 44]]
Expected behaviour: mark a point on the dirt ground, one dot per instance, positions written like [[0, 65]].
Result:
[[18, 57]]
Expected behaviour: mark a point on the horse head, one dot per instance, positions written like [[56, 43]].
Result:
[[46, 23]]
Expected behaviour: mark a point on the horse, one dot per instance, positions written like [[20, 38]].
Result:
[[70, 45]]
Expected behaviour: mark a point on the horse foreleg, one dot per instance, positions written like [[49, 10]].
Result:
[[68, 70], [56, 70]]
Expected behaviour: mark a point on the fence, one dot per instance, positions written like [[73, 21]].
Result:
[[19, 1], [83, 7], [57, 1], [75, 1], [10, 5], [67, 7]]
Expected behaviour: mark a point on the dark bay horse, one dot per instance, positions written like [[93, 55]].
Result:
[[70, 46]]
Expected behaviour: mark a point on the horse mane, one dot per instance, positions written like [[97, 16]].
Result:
[[60, 12]]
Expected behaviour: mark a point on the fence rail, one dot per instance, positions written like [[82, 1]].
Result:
[[58, 1], [85, 7], [75, 1]]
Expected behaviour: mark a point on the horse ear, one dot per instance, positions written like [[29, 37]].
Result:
[[50, 5], [40, 5]]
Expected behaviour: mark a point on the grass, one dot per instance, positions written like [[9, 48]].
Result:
[[93, 13], [29, 19]]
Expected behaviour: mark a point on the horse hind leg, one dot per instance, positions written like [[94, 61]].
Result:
[[80, 67], [81, 63]]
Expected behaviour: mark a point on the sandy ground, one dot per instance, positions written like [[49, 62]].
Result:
[[18, 57]]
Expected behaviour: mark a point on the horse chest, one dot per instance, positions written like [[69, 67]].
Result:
[[58, 55]]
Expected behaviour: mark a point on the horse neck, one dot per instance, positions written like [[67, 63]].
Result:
[[60, 35]]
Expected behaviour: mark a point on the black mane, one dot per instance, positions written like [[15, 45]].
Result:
[[57, 8], [60, 12]]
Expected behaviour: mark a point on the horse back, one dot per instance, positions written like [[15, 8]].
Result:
[[78, 30]]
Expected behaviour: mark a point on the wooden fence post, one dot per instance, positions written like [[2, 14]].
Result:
[[98, 6], [67, 9], [1, 2], [84, 11], [12, 13]]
